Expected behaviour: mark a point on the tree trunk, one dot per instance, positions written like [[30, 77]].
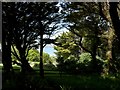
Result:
[[94, 49], [93, 54], [116, 24], [41, 56], [25, 65], [94, 63], [109, 53], [6, 49], [109, 11], [115, 18]]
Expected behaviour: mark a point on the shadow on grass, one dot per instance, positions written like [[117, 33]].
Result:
[[54, 81], [80, 82], [29, 81]]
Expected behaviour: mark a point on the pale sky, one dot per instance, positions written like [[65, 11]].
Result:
[[50, 47]]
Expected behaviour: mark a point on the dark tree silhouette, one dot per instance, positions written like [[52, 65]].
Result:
[[18, 31], [115, 18], [7, 23], [48, 17], [30, 21]]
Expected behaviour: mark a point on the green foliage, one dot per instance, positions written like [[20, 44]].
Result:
[[86, 34], [33, 55], [85, 58], [46, 58], [49, 67], [36, 65], [85, 63], [53, 59], [68, 45], [14, 49], [67, 52]]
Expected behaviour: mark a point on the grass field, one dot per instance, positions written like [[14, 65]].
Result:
[[74, 82], [54, 81]]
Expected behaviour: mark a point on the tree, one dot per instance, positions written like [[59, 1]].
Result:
[[87, 25], [109, 10], [46, 58], [94, 28], [114, 10], [33, 55], [67, 45], [23, 30], [48, 17], [30, 22], [7, 23], [114, 14], [71, 56]]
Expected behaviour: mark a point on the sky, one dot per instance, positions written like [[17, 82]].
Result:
[[50, 47]]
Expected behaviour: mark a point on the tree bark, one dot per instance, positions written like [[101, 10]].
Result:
[[41, 55], [115, 18], [6, 49], [94, 50], [25, 65], [109, 12]]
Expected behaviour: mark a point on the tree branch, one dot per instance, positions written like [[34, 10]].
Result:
[[27, 51], [15, 53], [81, 41]]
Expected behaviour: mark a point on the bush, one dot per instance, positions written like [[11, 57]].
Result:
[[68, 65], [49, 67], [46, 66], [79, 66], [36, 65], [85, 63]]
